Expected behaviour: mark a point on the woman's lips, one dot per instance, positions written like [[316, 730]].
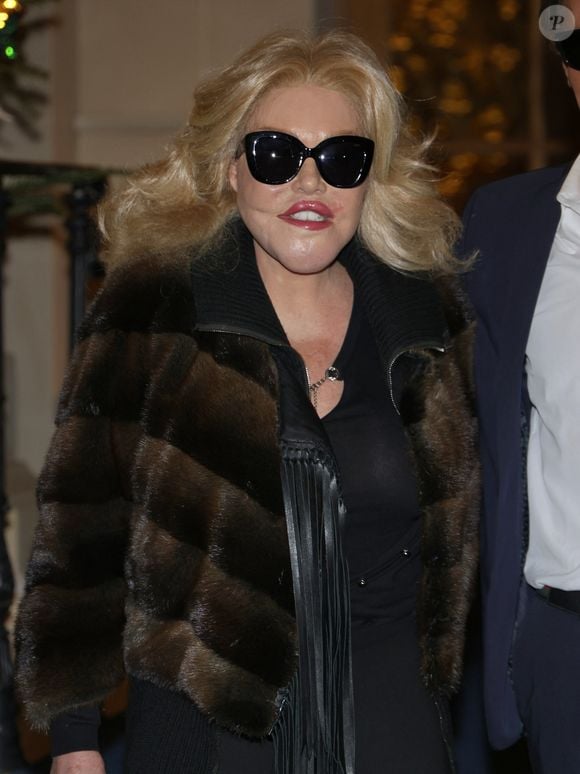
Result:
[[309, 215]]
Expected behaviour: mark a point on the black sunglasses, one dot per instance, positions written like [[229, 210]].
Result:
[[275, 158], [569, 50]]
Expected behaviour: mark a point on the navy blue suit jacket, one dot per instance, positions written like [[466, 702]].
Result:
[[512, 223]]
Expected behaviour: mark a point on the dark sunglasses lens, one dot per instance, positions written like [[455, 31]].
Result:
[[273, 159], [570, 50], [344, 164]]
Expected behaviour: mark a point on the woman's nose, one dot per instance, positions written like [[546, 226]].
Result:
[[308, 177]]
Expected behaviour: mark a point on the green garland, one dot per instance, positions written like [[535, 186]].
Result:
[[22, 84]]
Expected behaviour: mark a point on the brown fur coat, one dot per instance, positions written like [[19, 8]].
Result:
[[162, 546]]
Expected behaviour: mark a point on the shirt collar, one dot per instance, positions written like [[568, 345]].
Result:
[[569, 195]]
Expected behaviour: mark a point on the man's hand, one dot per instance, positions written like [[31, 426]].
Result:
[[84, 762]]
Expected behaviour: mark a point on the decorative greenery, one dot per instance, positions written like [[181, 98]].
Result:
[[43, 192], [22, 91]]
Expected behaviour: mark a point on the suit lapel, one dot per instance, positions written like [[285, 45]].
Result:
[[534, 232]]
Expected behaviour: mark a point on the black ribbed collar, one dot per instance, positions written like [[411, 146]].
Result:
[[404, 310]]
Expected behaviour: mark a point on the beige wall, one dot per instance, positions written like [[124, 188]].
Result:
[[122, 74], [136, 75]]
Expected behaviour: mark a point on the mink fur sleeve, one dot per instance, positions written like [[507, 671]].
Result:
[[70, 622]]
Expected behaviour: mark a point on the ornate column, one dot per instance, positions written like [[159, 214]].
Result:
[[82, 245]]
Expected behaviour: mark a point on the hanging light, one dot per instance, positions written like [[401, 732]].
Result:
[[10, 13]]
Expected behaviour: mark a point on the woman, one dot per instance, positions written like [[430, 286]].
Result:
[[260, 501]]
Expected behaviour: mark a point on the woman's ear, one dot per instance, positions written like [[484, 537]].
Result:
[[233, 175]]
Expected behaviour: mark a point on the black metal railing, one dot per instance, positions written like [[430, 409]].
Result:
[[26, 190]]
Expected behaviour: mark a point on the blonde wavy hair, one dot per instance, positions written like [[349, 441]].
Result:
[[186, 198]]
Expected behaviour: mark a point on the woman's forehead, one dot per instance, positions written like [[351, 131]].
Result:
[[305, 107]]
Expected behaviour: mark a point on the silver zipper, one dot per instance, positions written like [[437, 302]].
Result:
[[241, 332], [404, 351], [265, 340], [305, 376]]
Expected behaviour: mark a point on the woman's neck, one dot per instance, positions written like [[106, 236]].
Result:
[[308, 305]]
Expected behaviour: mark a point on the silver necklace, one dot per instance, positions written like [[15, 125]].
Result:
[[332, 374]]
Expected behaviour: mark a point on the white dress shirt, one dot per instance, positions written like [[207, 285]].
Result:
[[553, 368]]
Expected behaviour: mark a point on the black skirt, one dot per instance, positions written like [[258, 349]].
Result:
[[398, 724]]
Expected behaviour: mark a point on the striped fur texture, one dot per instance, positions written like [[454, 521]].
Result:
[[162, 546]]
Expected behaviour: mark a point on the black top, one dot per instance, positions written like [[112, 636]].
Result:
[[378, 483], [395, 718]]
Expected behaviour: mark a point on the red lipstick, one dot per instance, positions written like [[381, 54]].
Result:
[[309, 215]]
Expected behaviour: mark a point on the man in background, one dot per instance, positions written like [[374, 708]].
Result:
[[525, 287]]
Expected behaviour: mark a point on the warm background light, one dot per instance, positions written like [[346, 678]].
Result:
[[479, 75]]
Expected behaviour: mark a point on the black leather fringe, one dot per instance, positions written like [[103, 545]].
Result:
[[315, 730]]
